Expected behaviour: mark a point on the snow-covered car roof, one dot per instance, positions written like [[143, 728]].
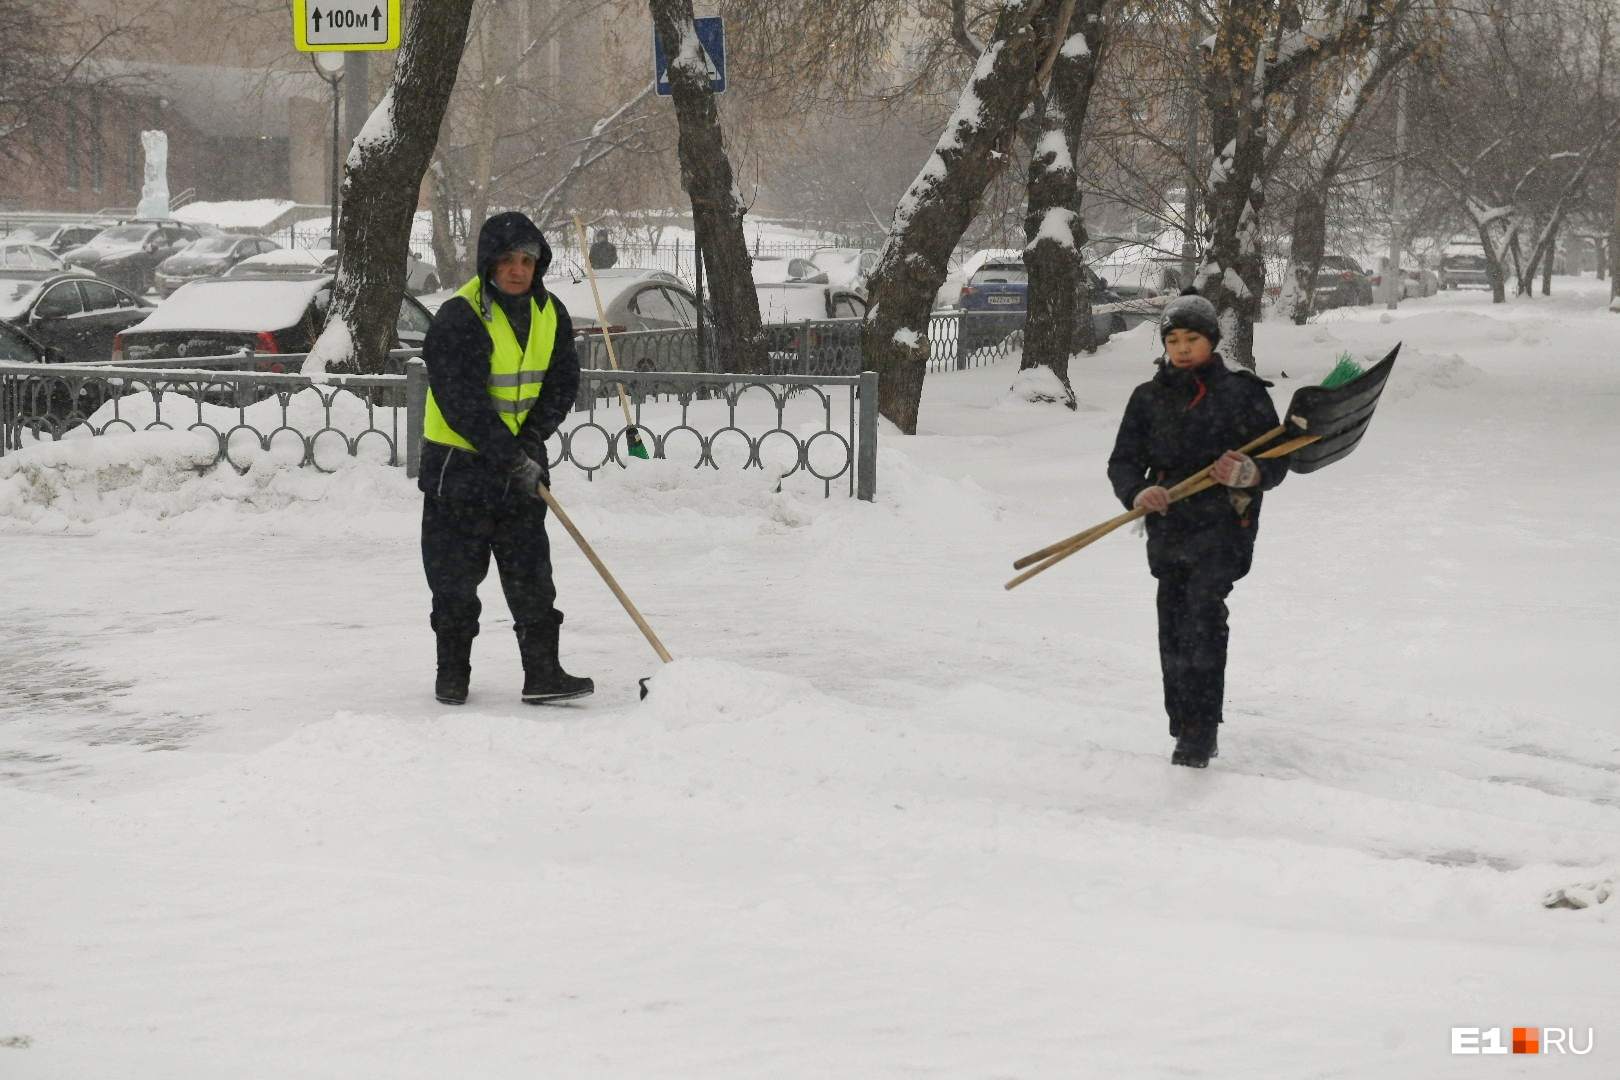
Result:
[[245, 304]]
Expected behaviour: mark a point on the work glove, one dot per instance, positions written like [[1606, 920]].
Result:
[[1153, 498], [528, 474], [1235, 470]]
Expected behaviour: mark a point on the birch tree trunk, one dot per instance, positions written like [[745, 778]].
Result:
[[943, 200], [706, 174], [383, 176]]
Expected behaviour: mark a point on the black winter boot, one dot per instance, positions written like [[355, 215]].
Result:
[[544, 680], [455, 668], [1195, 748]]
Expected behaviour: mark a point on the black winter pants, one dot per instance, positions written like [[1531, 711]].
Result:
[[1194, 582], [458, 538]]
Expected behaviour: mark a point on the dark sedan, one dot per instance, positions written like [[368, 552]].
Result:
[[1341, 282], [128, 254], [80, 316], [276, 314], [47, 402], [995, 302], [208, 257]]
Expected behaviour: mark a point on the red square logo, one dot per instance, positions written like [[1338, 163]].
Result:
[[1527, 1040]]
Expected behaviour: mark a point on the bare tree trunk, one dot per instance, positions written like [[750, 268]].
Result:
[[1234, 277], [384, 175], [1308, 246], [707, 177], [943, 200], [1060, 320]]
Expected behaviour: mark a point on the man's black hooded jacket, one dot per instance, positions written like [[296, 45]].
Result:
[[458, 351]]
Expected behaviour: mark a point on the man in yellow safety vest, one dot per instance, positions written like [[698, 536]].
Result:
[[502, 375]]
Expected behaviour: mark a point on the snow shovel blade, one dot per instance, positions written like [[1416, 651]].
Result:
[[1336, 416], [1325, 411]]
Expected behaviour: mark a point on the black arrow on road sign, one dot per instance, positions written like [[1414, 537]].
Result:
[[316, 15], [376, 18]]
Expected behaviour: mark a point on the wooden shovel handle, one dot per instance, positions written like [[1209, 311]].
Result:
[[1180, 490], [1191, 486], [579, 538]]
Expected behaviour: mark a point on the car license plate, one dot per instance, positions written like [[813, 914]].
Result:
[[1002, 299]]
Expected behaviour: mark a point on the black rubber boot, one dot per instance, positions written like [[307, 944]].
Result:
[[1195, 748], [544, 680], [455, 668]]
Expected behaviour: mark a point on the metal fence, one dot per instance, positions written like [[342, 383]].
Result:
[[822, 427]]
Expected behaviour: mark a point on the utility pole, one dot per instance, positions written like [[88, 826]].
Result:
[[1397, 213]]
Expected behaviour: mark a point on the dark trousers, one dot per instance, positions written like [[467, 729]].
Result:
[[1194, 582], [458, 538]]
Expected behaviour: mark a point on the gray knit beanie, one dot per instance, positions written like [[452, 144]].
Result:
[[1189, 311]]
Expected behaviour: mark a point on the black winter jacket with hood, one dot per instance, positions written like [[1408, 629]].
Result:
[[1178, 422], [458, 351]]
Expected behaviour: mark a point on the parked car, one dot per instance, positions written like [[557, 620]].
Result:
[[633, 299], [78, 315], [846, 266], [421, 276], [787, 268], [47, 399], [1416, 281], [24, 258], [59, 236], [1463, 266], [1341, 282], [286, 262], [128, 254], [1135, 271], [208, 256], [19, 347], [812, 328], [995, 302], [269, 314]]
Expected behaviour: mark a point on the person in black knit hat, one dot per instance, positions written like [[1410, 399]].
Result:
[[1193, 412]]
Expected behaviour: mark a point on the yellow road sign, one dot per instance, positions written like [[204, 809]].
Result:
[[348, 25]]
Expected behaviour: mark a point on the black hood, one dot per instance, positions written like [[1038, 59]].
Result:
[[503, 232]]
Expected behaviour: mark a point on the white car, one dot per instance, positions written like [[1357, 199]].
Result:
[[773, 268], [35, 260], [846, 267]]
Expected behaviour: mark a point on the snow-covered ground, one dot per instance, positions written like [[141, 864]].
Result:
[[880, 818]]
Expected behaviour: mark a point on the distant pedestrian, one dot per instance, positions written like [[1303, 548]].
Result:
[[502, 375], [1189, 415], [603, 254]]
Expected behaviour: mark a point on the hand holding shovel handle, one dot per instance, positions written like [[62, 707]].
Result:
[[1195, 483], [1181, 490]]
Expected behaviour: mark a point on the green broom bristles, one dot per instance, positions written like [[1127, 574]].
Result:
[[1346, 370], [638, 449]]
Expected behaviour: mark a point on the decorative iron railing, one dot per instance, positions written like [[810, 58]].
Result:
[[822, 427]]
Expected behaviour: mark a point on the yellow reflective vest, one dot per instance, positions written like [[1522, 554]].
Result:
[[515, 375]]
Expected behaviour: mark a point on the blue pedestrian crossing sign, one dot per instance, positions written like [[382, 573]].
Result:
[[711, 35]]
